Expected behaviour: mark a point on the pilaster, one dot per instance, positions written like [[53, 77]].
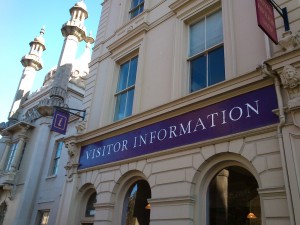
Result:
[[5, 153], [39, 147], [70, 190]]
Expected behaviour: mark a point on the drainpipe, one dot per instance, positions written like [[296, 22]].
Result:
[[266, 69]]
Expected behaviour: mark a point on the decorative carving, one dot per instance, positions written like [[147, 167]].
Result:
[[81, 127], [290, 79], [31, 115], [72, 164], [297, 38], [78, 78], [288, 41], [72, 151]]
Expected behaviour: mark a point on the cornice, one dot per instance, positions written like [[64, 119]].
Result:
[[131, 33], [18, 127], [290, 57]]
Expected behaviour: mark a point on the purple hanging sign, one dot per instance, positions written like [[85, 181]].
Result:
[[241, 113], [60, 121]]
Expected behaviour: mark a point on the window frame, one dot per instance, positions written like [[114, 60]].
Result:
[[206, 50], [11, 156], [137, 7], [41, 214], [125, 90], [55, 159]]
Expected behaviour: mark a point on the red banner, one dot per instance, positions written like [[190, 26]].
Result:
[[266, 19]]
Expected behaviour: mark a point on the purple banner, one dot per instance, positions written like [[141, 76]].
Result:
[[60, 121], [231, 116]]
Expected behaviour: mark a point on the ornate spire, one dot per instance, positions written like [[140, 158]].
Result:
[[32, 63], [75, 26], [34, 58]]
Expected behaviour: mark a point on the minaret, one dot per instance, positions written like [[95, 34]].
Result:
[[32, 62], [74, 32]]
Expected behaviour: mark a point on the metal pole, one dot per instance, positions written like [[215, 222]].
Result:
[[283, 13]]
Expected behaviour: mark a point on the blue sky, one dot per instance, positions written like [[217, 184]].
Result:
[[21, 22]]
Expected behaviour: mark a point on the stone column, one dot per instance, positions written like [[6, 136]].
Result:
[[18, 153], [5, 153], [219, 193]]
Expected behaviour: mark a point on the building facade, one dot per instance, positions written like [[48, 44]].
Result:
[[192, 117], [33, 156]]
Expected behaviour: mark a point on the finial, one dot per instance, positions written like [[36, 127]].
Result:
[[42, 30]]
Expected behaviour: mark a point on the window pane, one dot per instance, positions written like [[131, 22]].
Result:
[[214, 29], [122, 83], [58, 150], [132, 71], [125, 90], [56, 158], [141, 9], [120, 107], [216, 67], [137, 7], [55, 166], [90, 209], [134, 3], [198, 73], [129, 105], [11, 156], [197, 38], [45, 218]]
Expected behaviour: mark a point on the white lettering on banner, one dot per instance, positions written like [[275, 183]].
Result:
[[200, 124]]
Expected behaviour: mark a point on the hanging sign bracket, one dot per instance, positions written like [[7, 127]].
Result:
[[283, 13]]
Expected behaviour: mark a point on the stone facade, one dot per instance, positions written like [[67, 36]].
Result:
[[180, 177], [204, 181]]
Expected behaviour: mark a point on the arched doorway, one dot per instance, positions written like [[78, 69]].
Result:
[[89, 210], [136, 210], [232, 198]]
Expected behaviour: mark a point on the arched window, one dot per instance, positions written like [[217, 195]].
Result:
[[136, 210], [233, 198]]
